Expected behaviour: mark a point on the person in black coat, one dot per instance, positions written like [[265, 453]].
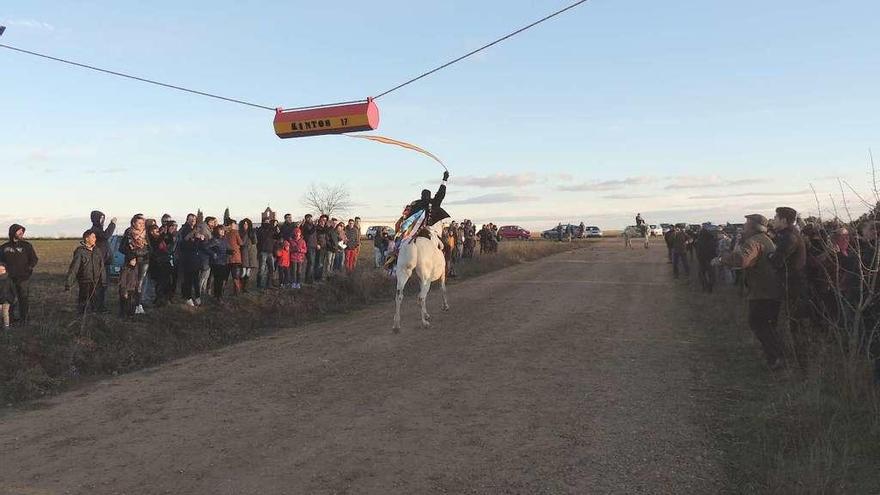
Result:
[[707, 250], [102, 244], [20, 259], [435, 212], [7, 296]]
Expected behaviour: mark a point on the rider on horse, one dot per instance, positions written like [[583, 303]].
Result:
[[418, 216], [640, 224]]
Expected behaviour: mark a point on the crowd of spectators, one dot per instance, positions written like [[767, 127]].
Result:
[[161, 260], [820, 277]]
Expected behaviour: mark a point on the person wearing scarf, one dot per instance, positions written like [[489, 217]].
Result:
[[136, 249]]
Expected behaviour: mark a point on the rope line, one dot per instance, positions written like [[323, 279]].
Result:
[[266, 107], [136, 78], [478, 50]]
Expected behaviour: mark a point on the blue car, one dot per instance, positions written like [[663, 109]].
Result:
[[117, 258]]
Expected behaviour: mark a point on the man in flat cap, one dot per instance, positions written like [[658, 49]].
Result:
[[753, 257], [789, 261]]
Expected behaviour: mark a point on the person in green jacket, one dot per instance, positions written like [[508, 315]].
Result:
[[87, 270]]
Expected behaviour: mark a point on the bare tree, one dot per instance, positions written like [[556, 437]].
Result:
[[328, 199]]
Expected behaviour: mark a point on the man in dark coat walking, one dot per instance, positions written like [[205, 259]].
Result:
[[20, 259]]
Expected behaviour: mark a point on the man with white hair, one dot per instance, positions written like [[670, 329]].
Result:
[[765, 293]]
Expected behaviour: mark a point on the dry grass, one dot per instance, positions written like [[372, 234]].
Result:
[[811, 429], [60, 348]]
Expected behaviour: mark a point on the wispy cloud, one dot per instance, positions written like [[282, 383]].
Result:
[[753, 194], [628, 196], [497, 180], [494, 198], [607, 185], [707, 181], [111, 170], [27, 24]]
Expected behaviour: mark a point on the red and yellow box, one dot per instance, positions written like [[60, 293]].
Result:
[[338, 119]]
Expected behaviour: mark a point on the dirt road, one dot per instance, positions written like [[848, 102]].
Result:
[[573, 374]]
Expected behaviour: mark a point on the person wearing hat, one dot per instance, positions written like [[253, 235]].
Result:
[[753, 257], [790, 260]]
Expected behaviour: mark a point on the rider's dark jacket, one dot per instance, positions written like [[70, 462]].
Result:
[[435, 212]]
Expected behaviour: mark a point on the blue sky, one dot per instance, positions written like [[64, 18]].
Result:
[[684, 111]]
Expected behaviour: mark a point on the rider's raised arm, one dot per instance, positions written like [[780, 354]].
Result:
[[441, 192]]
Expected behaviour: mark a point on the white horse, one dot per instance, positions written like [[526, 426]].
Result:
[[633, 232], [424, 257]]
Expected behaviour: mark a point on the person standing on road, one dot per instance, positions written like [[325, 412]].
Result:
[[765, 292], [20, 259], [707, 250], [679, 252], [668, 237]]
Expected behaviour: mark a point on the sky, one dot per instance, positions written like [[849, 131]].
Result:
[[684, 111]]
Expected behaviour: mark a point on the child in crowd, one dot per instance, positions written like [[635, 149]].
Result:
[[7, 295], [282, 256], [87, 270]]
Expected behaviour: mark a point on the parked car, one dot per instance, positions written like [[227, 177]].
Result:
[[371, 231], [593, 232], [514, 232], [655, 230], [551, 233], [666, 227]]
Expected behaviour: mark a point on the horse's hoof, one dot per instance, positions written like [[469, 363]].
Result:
[[395, 330], [426, 324], [445, 308]]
